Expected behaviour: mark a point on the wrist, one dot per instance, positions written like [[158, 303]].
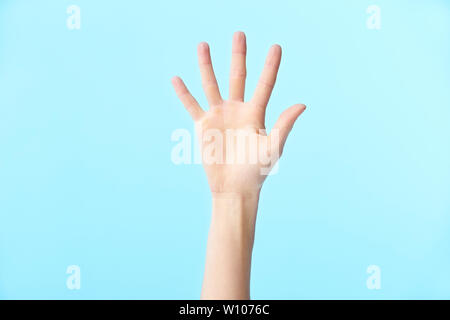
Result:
[[234, 215], [235, 203], [247, 196]]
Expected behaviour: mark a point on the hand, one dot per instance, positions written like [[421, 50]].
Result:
[[229, 161]]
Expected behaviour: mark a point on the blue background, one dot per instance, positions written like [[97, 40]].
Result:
[[86, 176]]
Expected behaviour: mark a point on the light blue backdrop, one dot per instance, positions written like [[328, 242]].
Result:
[[86, 176]]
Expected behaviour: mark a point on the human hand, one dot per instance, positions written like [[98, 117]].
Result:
[[237, 154]]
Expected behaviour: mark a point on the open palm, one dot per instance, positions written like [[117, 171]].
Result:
[[236, 152]]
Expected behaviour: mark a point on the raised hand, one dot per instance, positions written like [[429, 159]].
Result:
[[237, 155]]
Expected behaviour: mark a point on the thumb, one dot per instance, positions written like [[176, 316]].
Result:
[[286, 121]]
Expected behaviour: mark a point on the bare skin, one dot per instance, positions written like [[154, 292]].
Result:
[[235, 186]]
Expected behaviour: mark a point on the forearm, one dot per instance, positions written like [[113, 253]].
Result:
[[230, 244]]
